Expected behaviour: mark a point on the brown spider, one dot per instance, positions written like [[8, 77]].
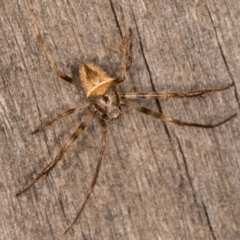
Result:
[[105, 102]]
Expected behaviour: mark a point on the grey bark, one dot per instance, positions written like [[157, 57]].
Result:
[[157, 180]]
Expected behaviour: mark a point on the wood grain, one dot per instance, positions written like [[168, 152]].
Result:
[[157, 181]]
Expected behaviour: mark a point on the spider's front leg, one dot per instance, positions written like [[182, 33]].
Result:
[[103, 126], [60, 154]]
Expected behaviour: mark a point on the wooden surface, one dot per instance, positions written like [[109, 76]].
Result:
[[157, 181]]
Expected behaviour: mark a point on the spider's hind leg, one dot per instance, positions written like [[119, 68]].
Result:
[[127, 46], [47, 53], [130, 54]]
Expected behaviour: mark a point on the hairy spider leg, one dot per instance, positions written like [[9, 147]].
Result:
[[67, 144], [61, 115], [46, 51], [165, 95], [90, 190], [130, 52], [127, 47], [167, 118]]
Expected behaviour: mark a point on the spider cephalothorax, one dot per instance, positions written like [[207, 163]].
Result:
[[108, 105], [106, 102]]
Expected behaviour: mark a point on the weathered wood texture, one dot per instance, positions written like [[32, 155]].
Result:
[[157, 181]]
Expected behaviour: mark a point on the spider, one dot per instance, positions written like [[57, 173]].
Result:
[[105, 102]]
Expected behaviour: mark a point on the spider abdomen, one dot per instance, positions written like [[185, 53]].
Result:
[[95, 81]]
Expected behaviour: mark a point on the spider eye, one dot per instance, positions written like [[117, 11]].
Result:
[[105, 98]]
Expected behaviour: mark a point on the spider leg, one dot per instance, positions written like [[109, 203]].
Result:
[[127, 47], [46, 51], [165, 95], [167, 118], [67, 144], [90, 190], [130, 53], [61, 115]]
